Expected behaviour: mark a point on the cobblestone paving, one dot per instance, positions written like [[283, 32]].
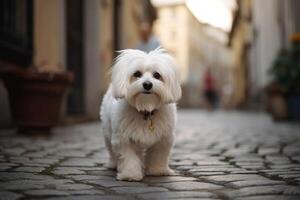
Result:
[[220, 155]]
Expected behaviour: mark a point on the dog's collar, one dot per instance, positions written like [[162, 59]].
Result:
[[147, 115]]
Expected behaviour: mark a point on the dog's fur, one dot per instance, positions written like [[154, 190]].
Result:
[[134, 148]]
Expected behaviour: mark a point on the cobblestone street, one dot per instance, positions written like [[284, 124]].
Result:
[[218, 155]]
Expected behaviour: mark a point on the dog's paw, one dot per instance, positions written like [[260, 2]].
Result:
[[160, 172], [129, 177]]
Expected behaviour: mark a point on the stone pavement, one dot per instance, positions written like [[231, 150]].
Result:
[[219, 155]]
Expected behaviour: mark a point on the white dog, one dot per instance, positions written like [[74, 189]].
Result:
[[139, 113]]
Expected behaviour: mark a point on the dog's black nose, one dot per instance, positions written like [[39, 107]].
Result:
[[147, 85]]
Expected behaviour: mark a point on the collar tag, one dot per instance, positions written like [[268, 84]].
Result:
[[150, 126]]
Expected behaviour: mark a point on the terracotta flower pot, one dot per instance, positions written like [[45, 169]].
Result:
[[276, 102], [36, 98]]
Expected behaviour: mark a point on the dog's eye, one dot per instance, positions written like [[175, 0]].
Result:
[[137, 74], [156, 75]]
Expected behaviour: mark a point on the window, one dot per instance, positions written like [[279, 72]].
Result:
[[16, 27]]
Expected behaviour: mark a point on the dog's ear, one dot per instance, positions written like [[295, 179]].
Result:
[[119, 80], [175, 89], [118, 92]]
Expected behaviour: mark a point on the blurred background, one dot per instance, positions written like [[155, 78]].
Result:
[[233, 54]]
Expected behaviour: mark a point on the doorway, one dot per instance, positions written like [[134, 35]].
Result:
[[75, 54]]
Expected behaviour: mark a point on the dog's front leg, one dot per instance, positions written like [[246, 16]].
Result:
[[130, 165], [157, 157]]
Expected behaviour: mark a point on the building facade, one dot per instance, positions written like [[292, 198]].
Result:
[[240, 43], [273, 22], [195, 47], [76, 35]]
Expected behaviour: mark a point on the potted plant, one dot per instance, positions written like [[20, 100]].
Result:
[[276, 90], [284, 92], [293, 83], [35, 96]]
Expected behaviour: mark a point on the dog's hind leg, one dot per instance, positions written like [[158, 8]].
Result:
[[112, 164]]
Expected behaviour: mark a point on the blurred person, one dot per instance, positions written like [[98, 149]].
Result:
[[210, 92], [149, 41]]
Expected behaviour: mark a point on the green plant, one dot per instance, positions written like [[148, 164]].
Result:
[[286, 68]]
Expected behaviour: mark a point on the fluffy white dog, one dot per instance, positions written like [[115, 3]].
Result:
[[139, 113]]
